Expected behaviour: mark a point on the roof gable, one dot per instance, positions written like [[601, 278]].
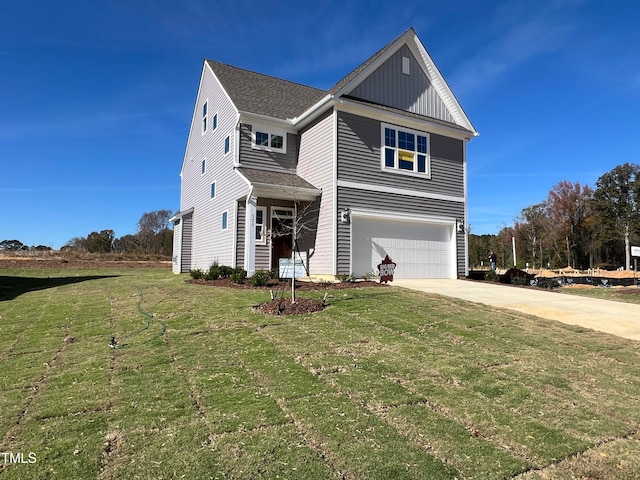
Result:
[[264, 95], [424, 91]]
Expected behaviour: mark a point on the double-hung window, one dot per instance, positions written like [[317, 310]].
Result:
[[261, 216], [405, 151], [204, 116], [267, 139]]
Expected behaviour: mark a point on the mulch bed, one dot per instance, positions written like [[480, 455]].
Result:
[[283, 306]]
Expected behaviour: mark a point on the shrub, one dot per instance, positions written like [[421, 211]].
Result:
[[347, 278], [196, 274], [520, 280], [491, 276], [214, 272], [260, 278], [549, 283], [239, 275], [226, 271], [371, 276], [274, 273]]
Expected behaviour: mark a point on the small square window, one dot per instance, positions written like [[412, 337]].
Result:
[[226, 145], [277, 141], [213, 190], [262, 139], [224, 220]]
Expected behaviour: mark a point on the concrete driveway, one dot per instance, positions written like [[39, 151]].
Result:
[[617, 318]]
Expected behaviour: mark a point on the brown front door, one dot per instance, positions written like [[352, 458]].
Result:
[[281, 240]]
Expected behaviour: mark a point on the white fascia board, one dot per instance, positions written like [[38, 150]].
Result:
[[407, 217], [399, 191], [310, 114], [179, 215], [440, 85], [250, 118], [422, 124]]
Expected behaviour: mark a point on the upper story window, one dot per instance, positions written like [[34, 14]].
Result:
[[204, 116], [268, 139], [214, 121], [405, 151], [227, 145], [203, 167], [213, 189]]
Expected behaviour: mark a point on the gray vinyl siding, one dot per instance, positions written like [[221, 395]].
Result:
[[316, 165], [257, 158], [359, 159], [210, 242], [388, 86], [388, 202], [186, 243]]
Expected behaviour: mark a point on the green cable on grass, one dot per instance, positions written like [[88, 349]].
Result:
[[149, 315]]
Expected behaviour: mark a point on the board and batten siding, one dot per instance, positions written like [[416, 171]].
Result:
[[262, 159], [209, 242], [359, 161], [316, 165], [389, 86]]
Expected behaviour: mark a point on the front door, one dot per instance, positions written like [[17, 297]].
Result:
[[281, 235]]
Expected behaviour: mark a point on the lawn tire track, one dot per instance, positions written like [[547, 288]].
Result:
[[38, 387]]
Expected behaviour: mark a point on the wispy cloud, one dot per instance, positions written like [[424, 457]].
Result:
[[517, 36]]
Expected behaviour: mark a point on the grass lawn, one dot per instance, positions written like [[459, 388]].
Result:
[[626, 294], [383, 384]]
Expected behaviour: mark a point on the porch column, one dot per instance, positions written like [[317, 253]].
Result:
[[250, 235]]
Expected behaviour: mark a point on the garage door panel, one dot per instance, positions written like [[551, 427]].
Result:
[[420, 250]]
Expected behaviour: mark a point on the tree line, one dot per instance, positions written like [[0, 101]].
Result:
[[154, 236], [575, 226]]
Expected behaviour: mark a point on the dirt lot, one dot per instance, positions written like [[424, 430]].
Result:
[[59, 262]]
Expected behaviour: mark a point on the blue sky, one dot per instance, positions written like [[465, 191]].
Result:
[[96, 97]]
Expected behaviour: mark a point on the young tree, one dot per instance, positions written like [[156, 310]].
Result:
[[617, 201]]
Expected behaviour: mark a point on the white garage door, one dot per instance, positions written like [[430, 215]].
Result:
[[420, 250]]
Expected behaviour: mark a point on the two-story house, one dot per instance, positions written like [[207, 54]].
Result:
[[374, 166]]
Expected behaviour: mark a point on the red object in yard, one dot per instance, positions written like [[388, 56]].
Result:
[[387, 268]]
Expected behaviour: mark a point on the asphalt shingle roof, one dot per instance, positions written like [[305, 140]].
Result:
[[270, 177], [264, 95]]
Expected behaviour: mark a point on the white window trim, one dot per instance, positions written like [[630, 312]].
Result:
[[205, 118], [215, 192], [395, 169], [263, 232], [222, 215], [269, 131], [228, 137]]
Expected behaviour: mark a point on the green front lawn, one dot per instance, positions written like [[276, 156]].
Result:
[[385, 383]]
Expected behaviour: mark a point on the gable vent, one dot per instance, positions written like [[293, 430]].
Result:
[[405, 65]]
